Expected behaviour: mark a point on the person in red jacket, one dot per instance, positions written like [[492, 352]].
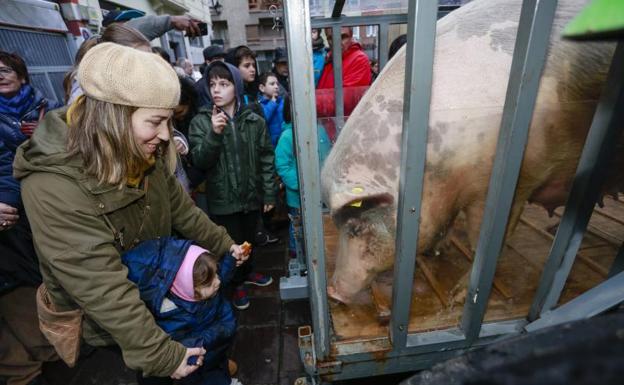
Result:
[[356, 77]]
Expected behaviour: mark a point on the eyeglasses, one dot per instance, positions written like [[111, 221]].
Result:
[[4, 71]]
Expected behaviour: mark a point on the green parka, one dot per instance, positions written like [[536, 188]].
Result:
[[240, 175], [73, 218]]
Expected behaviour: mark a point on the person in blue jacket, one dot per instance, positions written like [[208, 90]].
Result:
[[286, 168], [179, 282], [272, 104], [319, 54]]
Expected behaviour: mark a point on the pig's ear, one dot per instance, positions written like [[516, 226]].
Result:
[[360, 202]]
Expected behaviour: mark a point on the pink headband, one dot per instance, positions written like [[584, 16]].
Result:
[[183, 281]]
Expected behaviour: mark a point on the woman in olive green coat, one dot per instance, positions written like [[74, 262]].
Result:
[[94, 184]]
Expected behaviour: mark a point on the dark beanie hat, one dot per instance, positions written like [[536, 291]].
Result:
[[213, 51]]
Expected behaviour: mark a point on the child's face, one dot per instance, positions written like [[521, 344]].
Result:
[[209, 291], [247, 68], [222, 91], [271, 88]]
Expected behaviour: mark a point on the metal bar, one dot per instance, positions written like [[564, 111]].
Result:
[[592, 302], [46, 69], [498, 284], [352, 21], [618, 263], [417, 98], [383, 45], [338, 5], [595, 266], [337, 62], [599, 146], [297, 26], [529, 56]]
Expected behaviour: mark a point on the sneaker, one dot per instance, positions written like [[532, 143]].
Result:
[[264, 238], [241, 301], [270, 238], [258, 279]]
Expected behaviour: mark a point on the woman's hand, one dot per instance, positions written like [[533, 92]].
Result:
[[185, 369], [8, 216], [219, 120]]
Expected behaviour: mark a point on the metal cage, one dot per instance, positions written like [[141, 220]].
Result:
[[401, 351]]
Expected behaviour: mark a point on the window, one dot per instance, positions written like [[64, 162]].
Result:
[[197, 41]]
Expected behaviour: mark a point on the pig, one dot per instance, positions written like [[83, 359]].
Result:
[[473, 55]]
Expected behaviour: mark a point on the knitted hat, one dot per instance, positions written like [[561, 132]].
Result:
[[183, 282], [122, 75]]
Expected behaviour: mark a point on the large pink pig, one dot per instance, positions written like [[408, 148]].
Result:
[[473, 54]]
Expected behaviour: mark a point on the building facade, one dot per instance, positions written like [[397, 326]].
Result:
[[255, 23]]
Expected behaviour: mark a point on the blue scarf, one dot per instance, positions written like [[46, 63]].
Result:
[[20, 104]]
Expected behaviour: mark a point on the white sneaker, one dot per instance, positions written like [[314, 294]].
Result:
[[235, 381]]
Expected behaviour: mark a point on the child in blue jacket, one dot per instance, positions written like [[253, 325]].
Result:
[[272, 104], [179, 282], [286, 167]]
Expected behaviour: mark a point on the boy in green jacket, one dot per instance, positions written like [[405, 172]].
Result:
[[232, 145]]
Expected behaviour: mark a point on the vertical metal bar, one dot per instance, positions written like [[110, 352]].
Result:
[[618, 263], [383, 45], [592, 302], [338, 5], [534, 27], [599, 147], [337, 62], [297, 25], [418, 78], [71, 45]]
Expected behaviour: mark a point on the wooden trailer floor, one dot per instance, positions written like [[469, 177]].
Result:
[[440, 280]]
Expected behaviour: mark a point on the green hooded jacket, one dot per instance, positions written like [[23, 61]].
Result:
[[73, 219], [240, 175]]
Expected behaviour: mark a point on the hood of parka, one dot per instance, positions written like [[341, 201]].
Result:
[[46, 150]]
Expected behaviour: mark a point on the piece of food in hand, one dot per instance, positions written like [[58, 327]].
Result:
[[246, 246]]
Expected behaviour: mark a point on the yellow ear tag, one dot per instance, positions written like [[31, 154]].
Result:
[[356, 190]]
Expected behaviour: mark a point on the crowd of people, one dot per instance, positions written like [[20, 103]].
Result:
[[98, 216]]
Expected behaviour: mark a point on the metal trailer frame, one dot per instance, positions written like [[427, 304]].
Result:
[[402, 351]]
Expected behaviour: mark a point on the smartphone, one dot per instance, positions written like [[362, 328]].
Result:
[[203, 29]]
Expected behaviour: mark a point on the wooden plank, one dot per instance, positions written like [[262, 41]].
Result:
[[606, 214], [588, 261], [382, 303], [433, 282], [498, 285], [598, 233]]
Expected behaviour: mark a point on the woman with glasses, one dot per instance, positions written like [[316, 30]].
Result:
[[23, 346]]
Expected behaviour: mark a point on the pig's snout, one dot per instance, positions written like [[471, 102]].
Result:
[[333, 294], [344, 291]]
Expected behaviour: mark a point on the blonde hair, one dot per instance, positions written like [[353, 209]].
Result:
[[101, 134]]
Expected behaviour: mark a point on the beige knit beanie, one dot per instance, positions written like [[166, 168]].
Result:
[[122, 75]]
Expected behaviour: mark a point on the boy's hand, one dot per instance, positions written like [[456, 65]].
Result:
[[180, 146], [185, 369], [219, 120]]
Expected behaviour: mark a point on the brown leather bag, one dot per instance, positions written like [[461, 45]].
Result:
[[62, 329]]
